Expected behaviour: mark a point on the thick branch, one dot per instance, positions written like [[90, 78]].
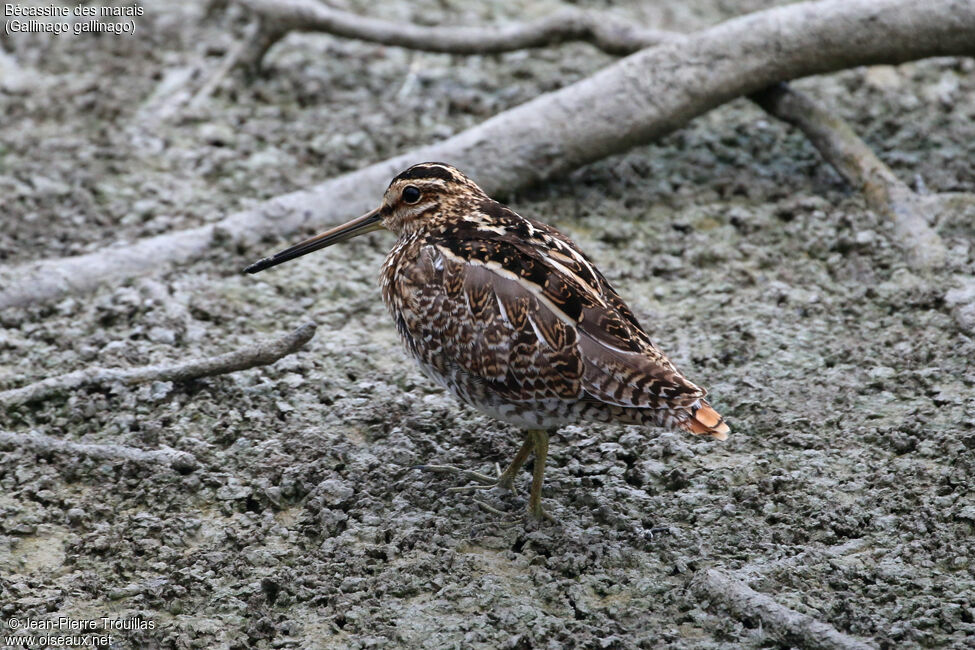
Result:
[[793, 627], [181, 461], [263, 353], [629, 103]]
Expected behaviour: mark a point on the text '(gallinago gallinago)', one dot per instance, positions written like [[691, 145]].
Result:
[[511, 317]]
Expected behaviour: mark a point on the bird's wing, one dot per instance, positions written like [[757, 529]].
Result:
[[461, 314], [622, 365], [531, 316]]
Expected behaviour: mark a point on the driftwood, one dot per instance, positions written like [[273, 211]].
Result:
[[631, 102], [181, 461], [794, 628], [259, 354]]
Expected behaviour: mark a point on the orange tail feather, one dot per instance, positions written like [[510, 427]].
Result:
[[705, 420]]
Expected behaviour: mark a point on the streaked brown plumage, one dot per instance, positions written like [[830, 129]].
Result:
[[510, 316]]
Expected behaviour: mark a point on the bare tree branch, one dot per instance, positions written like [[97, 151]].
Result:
[[181, 461], [792, 626], [261, 354], [631, 102]]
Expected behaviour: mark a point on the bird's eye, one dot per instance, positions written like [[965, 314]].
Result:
[[411, 194]]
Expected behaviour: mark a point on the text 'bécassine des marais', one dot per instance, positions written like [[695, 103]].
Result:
[[56, 11]]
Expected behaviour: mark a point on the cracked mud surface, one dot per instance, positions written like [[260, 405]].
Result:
[[844, 492]]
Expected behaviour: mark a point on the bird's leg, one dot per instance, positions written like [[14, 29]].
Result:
[[535, 440], [539, 439], [506, 480]]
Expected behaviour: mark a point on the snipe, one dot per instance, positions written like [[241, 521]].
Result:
[[510, 316]]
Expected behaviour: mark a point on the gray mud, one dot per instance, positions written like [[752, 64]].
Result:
[[846, 380]]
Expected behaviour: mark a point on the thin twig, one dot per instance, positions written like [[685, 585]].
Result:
[[229, 62], [609, 33], [263, 353], [258, 38], [181, 461], [862, 169], [793, 627]]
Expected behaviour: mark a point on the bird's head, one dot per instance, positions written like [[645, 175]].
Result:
[[417, 198]]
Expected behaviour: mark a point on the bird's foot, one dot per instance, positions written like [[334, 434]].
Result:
[[504, 480], [485, 482], [539, 514], [529, 518]]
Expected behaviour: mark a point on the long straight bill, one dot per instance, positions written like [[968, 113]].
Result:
[[366, 223]]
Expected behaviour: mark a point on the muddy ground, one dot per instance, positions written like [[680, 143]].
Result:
[[845, 491]]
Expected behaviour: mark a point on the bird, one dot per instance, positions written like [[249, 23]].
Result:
[[512, 318]]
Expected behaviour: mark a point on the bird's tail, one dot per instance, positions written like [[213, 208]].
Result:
[[704, 420]]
